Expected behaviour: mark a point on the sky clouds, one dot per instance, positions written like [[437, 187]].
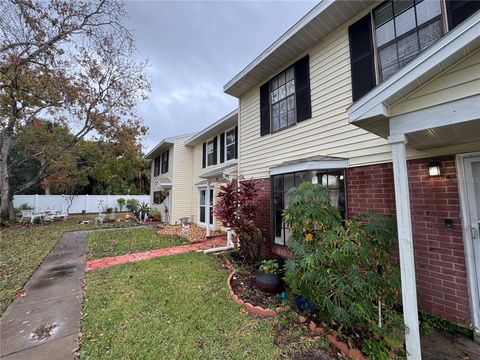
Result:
[[194, 48]]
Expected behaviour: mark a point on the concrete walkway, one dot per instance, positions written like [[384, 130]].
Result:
[[45, 324], [145, 255]]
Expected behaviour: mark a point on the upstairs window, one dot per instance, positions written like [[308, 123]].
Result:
[[210, 152], [165, 162], [282, 97], [230, 141], [403, 29]]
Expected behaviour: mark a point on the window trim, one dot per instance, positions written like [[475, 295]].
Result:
[[272, 131], [341, 171], [207, 164], [212, 190], [445, 30], [232, 144]]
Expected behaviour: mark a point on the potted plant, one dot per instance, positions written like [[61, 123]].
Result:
[[268, 276]]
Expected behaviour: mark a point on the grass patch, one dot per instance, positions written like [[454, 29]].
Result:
[[22, 249], [176, 307], [124, 241]]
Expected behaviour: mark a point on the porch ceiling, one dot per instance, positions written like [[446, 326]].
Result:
[[454, 134]]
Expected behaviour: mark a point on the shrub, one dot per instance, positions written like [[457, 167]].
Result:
[[269, 267], [142, 211], [121, 203], [24, 206], [343, 268], [236, 209], [132, 205], [155, 215], [109, 210]]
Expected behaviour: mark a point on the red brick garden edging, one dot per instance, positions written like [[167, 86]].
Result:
[[315, 329], [318, 329], [256, 310]]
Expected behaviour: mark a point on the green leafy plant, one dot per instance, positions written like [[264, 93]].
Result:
[[342, 267], [24, 206], [133, 205], [121, 203], [142, 211], [109, 210], [155, 215], [269, 267], [429, 323], [236, 209]]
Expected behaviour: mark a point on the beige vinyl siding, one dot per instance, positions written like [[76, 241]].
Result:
[[197, 171], [327, 133], [181, 180], [168, 174], [459, 81]]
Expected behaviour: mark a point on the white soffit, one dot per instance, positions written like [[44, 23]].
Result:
[[309, 165], [455, 45], [312, 28]]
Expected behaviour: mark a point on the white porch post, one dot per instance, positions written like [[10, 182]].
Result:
[[207, 208], [405, 244]]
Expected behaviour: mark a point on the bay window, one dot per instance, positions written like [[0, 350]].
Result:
[[333, 180]]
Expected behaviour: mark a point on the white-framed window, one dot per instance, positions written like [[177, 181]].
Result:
[[333, 180], [203, 208], [210, 152], [403, 29], [282, 99], [230, 144]]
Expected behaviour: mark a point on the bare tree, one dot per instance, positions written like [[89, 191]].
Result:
[[71, 63]]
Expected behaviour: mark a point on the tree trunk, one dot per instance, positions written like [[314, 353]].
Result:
[[7, 212]]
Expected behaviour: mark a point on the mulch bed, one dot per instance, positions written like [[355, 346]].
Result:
[[195, 232], [245, 288]]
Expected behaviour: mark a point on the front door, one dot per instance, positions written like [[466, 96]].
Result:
[[471, 166]]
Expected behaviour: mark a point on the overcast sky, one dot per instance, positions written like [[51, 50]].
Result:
[[194, 48]]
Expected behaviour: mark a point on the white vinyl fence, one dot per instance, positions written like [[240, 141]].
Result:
[[89, 203]]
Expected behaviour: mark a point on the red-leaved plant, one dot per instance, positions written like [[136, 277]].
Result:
[[235, 209]]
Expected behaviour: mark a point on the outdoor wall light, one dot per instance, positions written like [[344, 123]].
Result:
[[434, 168]]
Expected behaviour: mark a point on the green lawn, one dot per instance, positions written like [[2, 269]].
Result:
[[178, 307], [23, 249], [124, 241]]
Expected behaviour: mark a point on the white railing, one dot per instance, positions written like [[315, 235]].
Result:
[[79, 203]]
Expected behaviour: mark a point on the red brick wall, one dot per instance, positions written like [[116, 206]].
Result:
[[439, 252], [263, 216]]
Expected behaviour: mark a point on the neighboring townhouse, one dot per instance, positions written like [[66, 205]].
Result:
[[215, 150], [192, 168], [171, 172], [331, 99]]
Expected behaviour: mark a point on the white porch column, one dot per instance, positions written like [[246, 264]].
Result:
[[207, 208], [405, 244]]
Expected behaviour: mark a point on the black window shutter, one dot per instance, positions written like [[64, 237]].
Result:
[[156, 166], [204, 155], [166, 161], [460, 10], [222, 147], [361, 57], [215, 150], [302, 89], [265, 109], [236, 142]]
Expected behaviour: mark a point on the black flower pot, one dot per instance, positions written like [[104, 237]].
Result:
[[268, 283]]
